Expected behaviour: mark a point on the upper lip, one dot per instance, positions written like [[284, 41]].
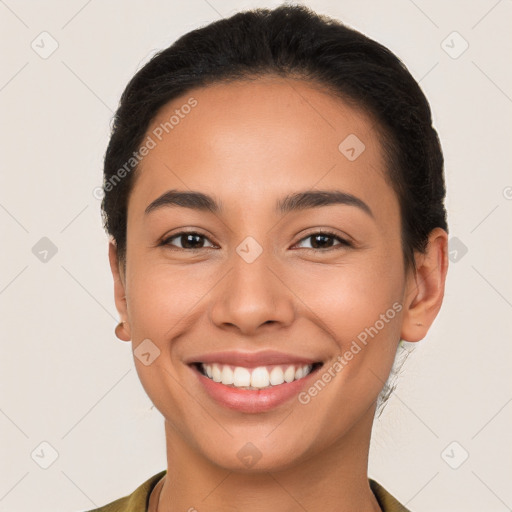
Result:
[[251, 359]]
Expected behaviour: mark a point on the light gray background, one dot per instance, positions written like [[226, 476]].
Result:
[[66, 379]]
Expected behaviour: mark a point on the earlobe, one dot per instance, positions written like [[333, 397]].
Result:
[[123, 329], [425, 287], [121, 333]]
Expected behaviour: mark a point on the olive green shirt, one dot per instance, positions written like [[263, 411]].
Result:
[[139, 499]]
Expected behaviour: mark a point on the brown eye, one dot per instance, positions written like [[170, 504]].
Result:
[[188, 240], [324, 240]]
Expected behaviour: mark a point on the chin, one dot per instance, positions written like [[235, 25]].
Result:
[[257, 456]]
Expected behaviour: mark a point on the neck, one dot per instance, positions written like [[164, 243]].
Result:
[[334, 480]]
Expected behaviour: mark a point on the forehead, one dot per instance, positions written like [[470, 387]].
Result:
[[252, 141]]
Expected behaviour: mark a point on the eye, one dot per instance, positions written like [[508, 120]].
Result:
[[321, 240], [193, 241], [189, 240]]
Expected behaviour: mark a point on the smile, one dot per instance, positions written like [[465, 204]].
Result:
[[261, 377]]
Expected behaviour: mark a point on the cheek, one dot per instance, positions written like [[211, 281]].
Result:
[[358, 306], [350, 296], [163, 298], [347, 297]]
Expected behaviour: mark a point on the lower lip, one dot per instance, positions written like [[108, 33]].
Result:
[[253, 400]]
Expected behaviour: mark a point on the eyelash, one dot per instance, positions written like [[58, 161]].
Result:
[[343, 242]]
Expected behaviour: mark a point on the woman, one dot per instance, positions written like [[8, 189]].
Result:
[[274, 194]]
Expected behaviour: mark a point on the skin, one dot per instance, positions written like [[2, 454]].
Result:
[[250, 144]]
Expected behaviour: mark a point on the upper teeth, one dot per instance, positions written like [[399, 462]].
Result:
[[255, 378]]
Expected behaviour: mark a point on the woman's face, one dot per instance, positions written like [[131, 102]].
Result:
[[258, 279]]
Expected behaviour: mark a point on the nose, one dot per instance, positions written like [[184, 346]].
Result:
[[251, 296]]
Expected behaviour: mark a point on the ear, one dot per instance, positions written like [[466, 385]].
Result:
[[425, 287], [122, 332]]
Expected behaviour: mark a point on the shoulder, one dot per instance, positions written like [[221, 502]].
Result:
[[387, 502], [137, 501]]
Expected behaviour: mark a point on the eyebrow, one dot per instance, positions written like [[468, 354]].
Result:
[[293, 202]]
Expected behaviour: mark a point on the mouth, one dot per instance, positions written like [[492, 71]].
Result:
[[258, 378], [253, 382]]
